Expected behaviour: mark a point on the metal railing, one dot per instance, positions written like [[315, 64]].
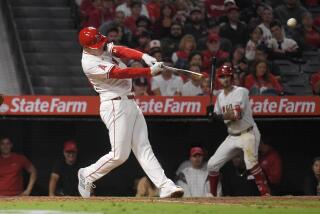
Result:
[[16, 48]]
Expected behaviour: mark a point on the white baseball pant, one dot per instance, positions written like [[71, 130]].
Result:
[[127, 130], [229, 148]]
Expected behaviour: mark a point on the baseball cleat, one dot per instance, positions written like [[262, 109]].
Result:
[[84, 186], [171, 192]]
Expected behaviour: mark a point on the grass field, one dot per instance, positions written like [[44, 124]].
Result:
[[241, 205]]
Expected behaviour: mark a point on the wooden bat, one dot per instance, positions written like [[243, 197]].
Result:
[[183, 71]]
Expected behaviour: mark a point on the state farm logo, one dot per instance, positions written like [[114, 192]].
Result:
[[40, 105], [4, 108]]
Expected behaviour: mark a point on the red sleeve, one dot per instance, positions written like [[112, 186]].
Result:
[[124, 52], [249, 82], [125, 73], [25, 162], [275, 84]]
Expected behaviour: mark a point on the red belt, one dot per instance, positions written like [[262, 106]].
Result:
[[130, 97]]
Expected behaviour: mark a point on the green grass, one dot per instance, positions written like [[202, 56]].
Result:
[[110, 207]]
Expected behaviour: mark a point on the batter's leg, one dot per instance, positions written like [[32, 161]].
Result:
[[119, 119], [249, 143], [142, 150], [225, 152]]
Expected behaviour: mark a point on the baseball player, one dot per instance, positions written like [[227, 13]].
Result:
[[127, 127], [233, 107]]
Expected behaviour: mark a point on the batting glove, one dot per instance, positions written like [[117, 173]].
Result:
[[149, 60], [156, 68]]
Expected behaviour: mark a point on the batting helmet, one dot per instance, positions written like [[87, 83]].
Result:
[[90, 37], [224, 70]]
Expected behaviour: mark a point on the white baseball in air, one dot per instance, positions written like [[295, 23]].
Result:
[[292, 22]]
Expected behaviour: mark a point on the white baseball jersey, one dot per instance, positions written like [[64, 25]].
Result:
[[238, 96], [96, 68], [167, 87], [286, 44], [197, 184], [189, 89]]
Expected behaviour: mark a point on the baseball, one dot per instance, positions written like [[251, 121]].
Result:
[[292, 22]]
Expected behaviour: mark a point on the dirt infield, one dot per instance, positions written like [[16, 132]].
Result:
[[284, 201]]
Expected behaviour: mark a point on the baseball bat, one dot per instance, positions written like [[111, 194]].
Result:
[[210, 107], [183, 71]]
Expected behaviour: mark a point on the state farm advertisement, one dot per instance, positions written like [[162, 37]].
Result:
[[154, 106]]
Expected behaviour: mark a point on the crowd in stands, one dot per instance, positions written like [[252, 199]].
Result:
[[247, 34]]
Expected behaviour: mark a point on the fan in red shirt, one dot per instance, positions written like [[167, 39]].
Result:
[[271, 163], [213, 49], [11, 168], [315, 83], [261, 81]]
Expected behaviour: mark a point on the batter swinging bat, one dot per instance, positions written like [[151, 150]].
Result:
[[182, 71]]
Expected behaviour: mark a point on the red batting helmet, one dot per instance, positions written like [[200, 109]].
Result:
[[90, 37], [224, 70]]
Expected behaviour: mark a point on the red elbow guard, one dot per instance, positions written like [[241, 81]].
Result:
[[126, 73]]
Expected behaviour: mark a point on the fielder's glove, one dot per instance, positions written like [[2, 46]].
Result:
[[156, 68], [149, 60]]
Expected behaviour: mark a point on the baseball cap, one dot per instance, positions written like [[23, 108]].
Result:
[[70, 146], [154, 44], [213, 37], [229, 1], [196, 151], [233, 7], [195, 9]]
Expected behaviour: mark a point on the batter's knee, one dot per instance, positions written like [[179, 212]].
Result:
[[121, 157], [213, 165]]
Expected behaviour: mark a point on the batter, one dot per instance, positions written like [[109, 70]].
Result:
[[233, 107], [111, 78]]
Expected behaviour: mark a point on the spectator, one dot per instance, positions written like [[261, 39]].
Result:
[[235, 179], [315, 83], [11, 169], [196, 26], [153, 9], [205, 88], [130, 21], [308, 33], [267, 18], [126, 8], [124, 33], [213, 50], [113, 35], [291, 9], [170, 43], [271, 164], [261, 81], [252, 13], [140, 86], [155, 50], [192, 87], [186, 46], [143, 41], [239, 64], [166, 84], [146, 188], [216, 8], [102, 11], [312, 180], [63, 178], [234, 30], [255, 40], [262, 53], [194, 179], [161, 27], [281, 46]]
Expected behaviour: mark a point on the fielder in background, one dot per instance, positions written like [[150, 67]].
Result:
[[233, 107], [127, 127]]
